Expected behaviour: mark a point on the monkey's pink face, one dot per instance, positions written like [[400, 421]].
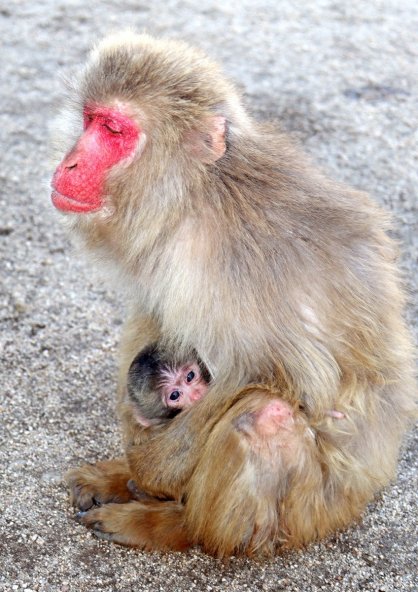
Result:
[[182, 387], [109, 137]]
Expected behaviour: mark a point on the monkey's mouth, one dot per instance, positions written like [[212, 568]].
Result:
[[64, 203]]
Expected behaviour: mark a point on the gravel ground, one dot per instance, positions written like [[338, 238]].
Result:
[[342, 76]]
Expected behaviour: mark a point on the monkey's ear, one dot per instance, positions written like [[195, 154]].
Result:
[[208, 143]]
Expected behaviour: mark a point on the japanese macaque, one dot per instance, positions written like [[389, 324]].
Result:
[[160, 387], [230, 244]]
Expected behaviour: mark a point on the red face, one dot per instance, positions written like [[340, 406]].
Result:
[[182, 387], [109, 137]]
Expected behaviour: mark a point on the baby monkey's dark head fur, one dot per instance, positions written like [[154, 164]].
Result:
[[145, 376]]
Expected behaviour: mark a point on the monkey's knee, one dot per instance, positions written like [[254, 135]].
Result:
[[234, 501], [274, 416], [276, 431]]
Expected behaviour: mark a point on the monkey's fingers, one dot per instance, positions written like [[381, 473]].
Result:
[[94, 485], [150, 526]]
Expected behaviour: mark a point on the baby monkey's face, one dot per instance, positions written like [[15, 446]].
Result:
[[182, 386], [159, 385]]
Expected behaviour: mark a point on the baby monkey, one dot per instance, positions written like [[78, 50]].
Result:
[[160, 386]]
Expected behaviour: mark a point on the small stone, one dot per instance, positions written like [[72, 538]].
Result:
[[51, 477]]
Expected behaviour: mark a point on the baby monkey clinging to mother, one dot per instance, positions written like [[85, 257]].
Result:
[[160, 386]]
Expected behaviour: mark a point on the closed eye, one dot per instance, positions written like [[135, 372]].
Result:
[[111, 129]]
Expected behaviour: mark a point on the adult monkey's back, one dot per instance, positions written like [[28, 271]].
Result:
[[231, 245]]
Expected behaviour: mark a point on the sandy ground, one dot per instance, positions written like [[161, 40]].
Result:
[[342, 76]]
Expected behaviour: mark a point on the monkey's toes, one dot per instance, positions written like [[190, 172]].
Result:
[[81, 494], [90, 520], [102, 524], [95, 485]]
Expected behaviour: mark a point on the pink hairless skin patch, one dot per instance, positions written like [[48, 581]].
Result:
[[109, 137]]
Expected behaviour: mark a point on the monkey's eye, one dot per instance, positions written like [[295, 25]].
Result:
[[174, 396], [190, 376], [113, 129]]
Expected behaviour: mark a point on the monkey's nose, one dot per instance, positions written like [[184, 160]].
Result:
[[71, 160]]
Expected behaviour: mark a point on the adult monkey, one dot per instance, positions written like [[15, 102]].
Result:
[[232, 246]]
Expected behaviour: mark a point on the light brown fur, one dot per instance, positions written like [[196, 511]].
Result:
[[274, 275]]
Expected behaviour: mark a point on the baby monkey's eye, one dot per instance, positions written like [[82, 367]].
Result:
[[174, 395], [190, 376]]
